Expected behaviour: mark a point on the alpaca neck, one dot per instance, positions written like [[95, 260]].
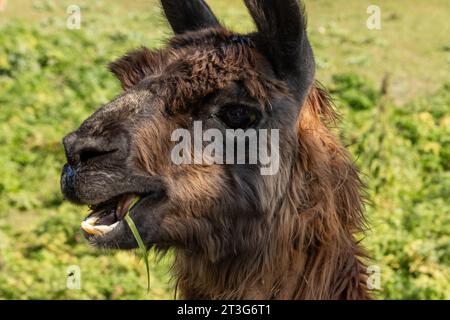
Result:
[[308, 249], [300, 264], [323, 271]]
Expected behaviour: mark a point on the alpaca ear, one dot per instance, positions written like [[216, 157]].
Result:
[[188, 15], [282, 35], [133, 67]]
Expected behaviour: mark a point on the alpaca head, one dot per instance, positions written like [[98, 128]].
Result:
[[209, 75]]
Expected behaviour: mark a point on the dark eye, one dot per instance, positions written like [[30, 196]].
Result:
[[239, 116]]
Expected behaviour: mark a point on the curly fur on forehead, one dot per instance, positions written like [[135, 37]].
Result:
[[194, 65]]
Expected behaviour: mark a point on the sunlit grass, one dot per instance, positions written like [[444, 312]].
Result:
[[52, 78]]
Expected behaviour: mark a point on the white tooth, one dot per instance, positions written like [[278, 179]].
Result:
[[115, 224], [103, 229], [88, 227], [91, 220]]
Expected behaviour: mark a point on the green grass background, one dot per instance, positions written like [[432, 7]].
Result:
[[51, 78]]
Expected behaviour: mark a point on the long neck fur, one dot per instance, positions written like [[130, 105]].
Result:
[[311, 252]]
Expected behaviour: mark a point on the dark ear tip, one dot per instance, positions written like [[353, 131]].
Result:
[[188, 15], [304, 14], [282, 36]]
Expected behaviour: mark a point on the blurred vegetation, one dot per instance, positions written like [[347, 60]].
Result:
[[51, 78]]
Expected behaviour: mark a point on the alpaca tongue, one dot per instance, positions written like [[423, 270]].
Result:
[[123, 205]]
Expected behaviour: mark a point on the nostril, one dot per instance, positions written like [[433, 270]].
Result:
[[91, 153], [67, 182], [68, 170]]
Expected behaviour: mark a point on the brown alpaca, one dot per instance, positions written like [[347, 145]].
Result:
[[236, 234]]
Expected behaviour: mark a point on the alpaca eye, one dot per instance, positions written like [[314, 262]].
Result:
[[239, 116]]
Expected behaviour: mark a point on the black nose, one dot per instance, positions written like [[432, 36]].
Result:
[[68, 171], [67, 182], [82, 149]]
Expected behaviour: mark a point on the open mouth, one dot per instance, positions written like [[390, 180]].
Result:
[[106, 216]]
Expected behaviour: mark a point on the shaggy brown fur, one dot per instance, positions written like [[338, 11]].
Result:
[[310, 252], [236, 234]]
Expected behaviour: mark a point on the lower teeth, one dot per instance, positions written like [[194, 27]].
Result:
[[90, 227]]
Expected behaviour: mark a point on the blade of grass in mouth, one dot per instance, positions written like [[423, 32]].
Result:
[[137, 236]]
